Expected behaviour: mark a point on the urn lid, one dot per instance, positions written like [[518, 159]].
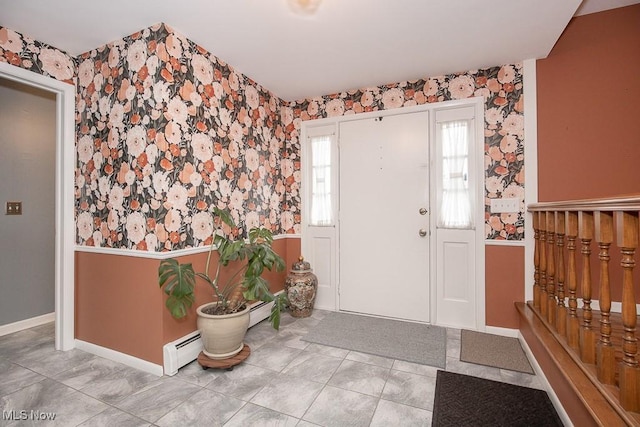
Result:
[[300, 266]]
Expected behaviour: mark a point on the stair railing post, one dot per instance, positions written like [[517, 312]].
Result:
[[605, 354], [544, 297], [536, 262], [561, 318], [573, 323], [629, 373], [551, 268], [587, 334]]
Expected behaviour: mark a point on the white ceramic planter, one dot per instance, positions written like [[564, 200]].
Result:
[[222, 335]]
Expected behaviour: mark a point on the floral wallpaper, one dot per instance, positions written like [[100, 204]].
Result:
[[165, 131], [24, 52], [502, 90]]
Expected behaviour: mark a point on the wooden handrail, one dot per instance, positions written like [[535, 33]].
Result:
[[623, 203]]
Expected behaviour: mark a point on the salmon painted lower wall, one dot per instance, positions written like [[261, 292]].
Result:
[[119, 305], [504, 284]]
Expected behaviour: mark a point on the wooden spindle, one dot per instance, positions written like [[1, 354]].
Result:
[[587, 334], [605, 355], [627, 238], [561, 317], [544, 298], [536, 262], [551, 268], [573, 324]]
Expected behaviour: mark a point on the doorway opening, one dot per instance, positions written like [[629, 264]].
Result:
[[64, 197], [367, 176]]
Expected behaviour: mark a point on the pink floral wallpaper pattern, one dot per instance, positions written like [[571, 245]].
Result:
[[502, 90], [165, 130], [32, 55]]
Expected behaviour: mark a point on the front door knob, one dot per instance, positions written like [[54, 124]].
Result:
[[423, 211], [422, 232]]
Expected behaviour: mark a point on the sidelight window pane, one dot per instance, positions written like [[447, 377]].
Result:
[[321, 209], [455, 208]]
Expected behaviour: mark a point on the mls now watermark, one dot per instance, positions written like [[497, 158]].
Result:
[[28, 415]]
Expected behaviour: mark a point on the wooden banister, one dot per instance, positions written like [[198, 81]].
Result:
[[601, 340], [614, 204]]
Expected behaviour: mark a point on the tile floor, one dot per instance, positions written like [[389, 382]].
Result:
[[285, 382]]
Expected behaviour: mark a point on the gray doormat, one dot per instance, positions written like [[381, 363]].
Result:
[[462, 400], [395, 339], [493, 350]]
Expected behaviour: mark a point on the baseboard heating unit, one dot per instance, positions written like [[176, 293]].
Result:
[[185, 350]]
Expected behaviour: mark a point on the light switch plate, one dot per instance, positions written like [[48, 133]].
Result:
[[14, 208], [505, 205]]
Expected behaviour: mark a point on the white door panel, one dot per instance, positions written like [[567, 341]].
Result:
[[455, 283], [384, 182], [322, 252]]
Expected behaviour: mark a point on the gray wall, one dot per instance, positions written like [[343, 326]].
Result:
[[27, 174]]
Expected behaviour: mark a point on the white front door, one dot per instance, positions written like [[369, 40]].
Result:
[[384, 216]]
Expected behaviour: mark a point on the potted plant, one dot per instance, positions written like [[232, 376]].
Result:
[[223, 322]]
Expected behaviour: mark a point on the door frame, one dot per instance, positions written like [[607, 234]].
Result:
[[478, 103], [64, 197], [479, 212]]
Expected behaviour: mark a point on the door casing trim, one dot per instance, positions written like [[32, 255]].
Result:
[[478, 103], [64, 197]]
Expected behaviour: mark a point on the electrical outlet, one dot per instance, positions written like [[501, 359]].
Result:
[[14, 208], [506, 205]]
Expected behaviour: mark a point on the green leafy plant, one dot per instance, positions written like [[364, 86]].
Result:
[[246, 258]]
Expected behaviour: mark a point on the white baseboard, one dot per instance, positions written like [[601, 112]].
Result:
[[505, 332], [27, 323], [540, 373], [119, 357]]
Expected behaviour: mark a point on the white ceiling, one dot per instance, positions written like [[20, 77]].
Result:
[[346, 44]]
